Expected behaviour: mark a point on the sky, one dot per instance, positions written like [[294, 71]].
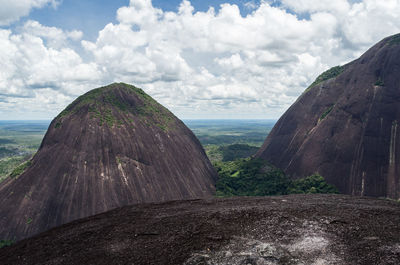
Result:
[[238, 59]]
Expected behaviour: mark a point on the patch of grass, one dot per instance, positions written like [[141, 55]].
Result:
[[97, 102], [29, 221], [108, 117], [379, 82], [113, 100], [326, 113], [20, 169], [155, 114], [331, 73], [104, 104], [394, 40], [6, 243]]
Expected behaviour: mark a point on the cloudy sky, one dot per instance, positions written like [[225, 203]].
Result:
[[200, 58]]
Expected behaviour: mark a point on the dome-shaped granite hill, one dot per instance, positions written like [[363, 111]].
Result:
[[112, 146], [345, 126]]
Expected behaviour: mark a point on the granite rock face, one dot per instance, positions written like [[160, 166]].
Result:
[[111, 147], [324, 229], [345, 126]]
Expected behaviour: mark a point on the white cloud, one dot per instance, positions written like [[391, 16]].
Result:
[[216, 61], [55, 37], [13, 10], [251, 5], [30, 65], [139, 12], [301, 6], [233, 62], [360, 23], [370, 20], [199, 64]]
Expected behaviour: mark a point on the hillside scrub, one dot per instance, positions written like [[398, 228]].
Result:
[[328, 74], [256, 177], [311, 184], [6, 243], [20, 169]]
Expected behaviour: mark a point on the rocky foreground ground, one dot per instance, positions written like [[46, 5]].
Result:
[[295, 229]]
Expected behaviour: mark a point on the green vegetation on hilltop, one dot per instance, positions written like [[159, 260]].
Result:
[[394, 40], [328, 74], [331, 73], [255, 177], [154, 113], [104, 105]]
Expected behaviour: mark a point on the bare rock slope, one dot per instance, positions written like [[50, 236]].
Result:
[[295, 229], [111, 147], [345, 126]]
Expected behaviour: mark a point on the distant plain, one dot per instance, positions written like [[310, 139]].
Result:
[[223, 140]]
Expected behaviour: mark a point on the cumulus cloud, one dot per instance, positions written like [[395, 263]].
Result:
[[198, 64], [54, 37], [38, 62], [251, 5], [216, 61], [13, 10], [303, 6]]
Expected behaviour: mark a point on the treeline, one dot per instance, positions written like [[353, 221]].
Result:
[[256, 177]]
